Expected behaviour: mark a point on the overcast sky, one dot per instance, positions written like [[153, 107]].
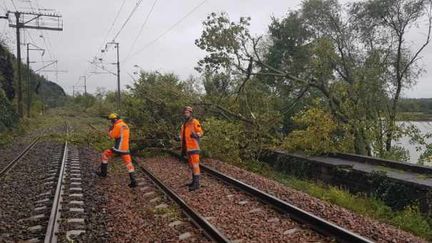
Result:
[[171, 49]]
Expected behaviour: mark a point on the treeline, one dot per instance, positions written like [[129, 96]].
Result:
[[326, 77], [43, 92], [416, 105]]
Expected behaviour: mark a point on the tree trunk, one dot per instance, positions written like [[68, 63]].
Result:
[[399, 77]]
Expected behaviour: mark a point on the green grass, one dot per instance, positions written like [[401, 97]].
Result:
[[410, 219]]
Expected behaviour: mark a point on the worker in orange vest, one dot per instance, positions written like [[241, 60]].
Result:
[[190, 135], [119, 131]]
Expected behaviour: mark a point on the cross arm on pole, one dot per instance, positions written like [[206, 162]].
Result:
[[49, 64]]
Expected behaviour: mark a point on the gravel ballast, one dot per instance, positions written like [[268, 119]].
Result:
[[362, 225], [141, 214], [239, 216]]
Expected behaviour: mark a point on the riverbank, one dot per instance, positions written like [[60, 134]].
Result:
[[414, 116]]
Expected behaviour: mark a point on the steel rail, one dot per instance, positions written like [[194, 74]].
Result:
[[21, 155], [54, 219], [208, 229], [318, 224]]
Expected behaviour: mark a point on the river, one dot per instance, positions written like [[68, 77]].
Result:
[[424, 127]]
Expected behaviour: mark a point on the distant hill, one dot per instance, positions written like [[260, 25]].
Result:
[[51, 93], [44, 92]]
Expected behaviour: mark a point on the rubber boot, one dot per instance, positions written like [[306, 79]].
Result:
[[133, 182], [196, 183], [103, 170], [192, 182]]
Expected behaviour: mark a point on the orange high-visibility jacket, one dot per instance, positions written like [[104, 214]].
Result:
[[188, 128], [120, 133]]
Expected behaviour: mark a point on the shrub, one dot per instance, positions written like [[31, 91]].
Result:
[[8, 118], [317, 133], [222, 139]]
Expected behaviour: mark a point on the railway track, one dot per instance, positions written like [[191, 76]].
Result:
[[55, 207], [66, 218], [208, 229], [214, 231], [320, 225], [11, 164]]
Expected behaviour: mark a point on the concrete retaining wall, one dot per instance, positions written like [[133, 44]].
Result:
[[395, 193]]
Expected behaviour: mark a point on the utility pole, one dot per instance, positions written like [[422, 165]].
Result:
[[29, 85], [19, 94], [85, 84], [118, 76], [118, 72], [30, 20]]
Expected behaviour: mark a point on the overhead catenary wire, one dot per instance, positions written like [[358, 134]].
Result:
[[114, 21], [110, 29], [45, 40], [105, 38], [13, 4], [142, 27], [137, 5], [168, 30], [128, 18], [4, 6]]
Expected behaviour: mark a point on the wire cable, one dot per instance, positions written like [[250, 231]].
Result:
[[168, 30], [114, 21], [13, 3], [128, 18], [142, 28]]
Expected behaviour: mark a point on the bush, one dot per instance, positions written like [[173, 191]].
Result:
[[317, 133], [9, 118], [222, 140]]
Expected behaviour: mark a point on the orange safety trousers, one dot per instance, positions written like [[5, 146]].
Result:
[[127, 159], [194, 161]]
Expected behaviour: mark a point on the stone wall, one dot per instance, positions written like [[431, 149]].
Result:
[[395, 193]]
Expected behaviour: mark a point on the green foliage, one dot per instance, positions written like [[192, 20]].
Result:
[[344, 56], [155, 103], [224, 40], [223, 139], [83, 102], [415, 110], [426, 156], [8, 118], [396, 154], [6, 73], [318, 133], [91, 138]]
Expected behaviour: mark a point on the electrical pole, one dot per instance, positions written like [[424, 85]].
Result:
[[118, 72], [118, 76], [85, 84], [29, 89], [26, 20], [29, 84], [19, 94]]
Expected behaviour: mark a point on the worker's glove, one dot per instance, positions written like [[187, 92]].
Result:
[[194, 135]]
